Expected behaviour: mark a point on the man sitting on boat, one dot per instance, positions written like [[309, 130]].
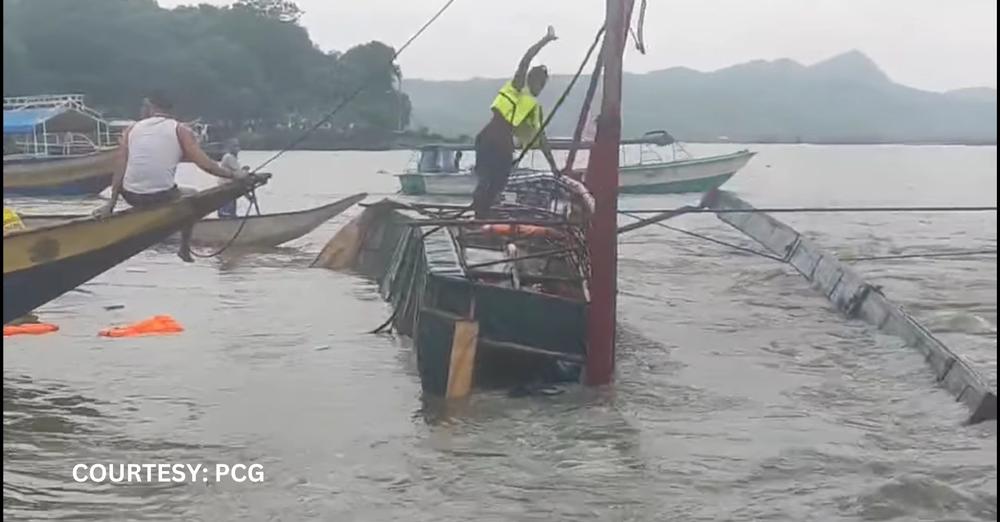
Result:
[[515, 113], [149, 154]]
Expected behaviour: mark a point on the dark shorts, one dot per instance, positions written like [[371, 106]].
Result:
[[153, 198]]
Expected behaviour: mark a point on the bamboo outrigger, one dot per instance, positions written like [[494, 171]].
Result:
[[857, 298]]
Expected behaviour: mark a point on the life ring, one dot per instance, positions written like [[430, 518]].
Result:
[[503, 229]]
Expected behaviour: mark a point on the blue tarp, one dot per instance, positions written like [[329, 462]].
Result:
[[24, 121]]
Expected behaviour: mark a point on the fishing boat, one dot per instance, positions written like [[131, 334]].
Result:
[[72, 175], [54, 145], [489, 303], [438, 172], [266, 230], [43, 263]]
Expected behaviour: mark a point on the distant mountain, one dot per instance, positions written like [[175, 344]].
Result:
[[845, 99], [975, 93]]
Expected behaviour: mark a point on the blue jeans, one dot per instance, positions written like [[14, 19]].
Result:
[[228, 210]]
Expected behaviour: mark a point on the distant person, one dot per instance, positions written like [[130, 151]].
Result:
[[515, 113], [458, 161], [149, 154], [230, 161]]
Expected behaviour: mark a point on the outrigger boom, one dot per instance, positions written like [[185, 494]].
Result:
[[857, 298]]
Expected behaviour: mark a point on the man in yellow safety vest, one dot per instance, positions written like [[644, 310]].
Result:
[[515, 113]]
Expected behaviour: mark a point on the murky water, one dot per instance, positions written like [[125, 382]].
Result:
[[740, 393]]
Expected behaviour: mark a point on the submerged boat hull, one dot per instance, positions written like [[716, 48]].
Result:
[[42, 264], [67, 176], [691, 175], [520, 336], [266, 230]]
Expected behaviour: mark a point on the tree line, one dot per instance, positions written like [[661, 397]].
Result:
[[248, 65]]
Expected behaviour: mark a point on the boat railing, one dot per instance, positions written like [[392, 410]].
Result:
[[56, 144], [43, 101]]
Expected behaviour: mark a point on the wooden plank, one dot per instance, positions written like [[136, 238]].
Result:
[[506, 345], [463, 358], [856, 297]]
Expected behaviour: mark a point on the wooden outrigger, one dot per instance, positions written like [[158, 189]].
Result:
[[43, 263], [265, 230], [858, 298]]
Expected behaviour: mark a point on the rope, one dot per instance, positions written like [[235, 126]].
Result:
[[789, 210], [329, 116], [957, 253], [713, 240], [243, 223], [637, 37]]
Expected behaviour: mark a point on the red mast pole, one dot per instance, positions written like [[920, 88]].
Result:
[[602, 180]]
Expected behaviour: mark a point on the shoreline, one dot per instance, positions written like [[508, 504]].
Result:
[[383, 147]]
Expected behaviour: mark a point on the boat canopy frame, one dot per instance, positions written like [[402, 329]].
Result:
[[48, 121]]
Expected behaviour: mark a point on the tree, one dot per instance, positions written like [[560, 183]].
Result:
[[246, 63], [281, 10]]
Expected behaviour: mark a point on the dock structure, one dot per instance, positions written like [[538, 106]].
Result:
[[858, 298]]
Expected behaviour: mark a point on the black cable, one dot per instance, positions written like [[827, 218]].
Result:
[[788, 210], [243, 223], [364, 85], [713, 240], [957, 253]]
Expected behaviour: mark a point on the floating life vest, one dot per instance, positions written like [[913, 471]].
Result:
[[29, 329], [521, 230], [11, 221], [520, 109], [156, 325]]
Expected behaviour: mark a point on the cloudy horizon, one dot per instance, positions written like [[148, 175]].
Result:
[[929, 45]]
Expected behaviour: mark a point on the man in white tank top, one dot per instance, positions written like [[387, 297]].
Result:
[[149, 154]]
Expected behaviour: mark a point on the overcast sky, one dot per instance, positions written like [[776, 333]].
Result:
[[930, 44]]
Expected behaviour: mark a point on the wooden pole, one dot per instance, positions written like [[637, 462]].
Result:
[[602, 180]]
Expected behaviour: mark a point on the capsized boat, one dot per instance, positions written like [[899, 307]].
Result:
[[72, 175], [489, 303], [266, 230], [43, 263]]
